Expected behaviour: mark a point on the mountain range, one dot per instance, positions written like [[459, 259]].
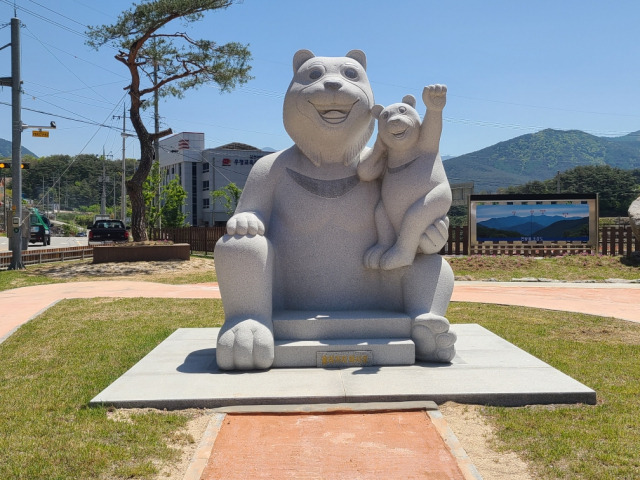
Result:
[[5, 149], [549, 227], [536, 156], [539, 156]]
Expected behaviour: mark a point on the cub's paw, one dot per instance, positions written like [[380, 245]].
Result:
[[245, 345], [373, 255], [396, 257], [435, 236], [435, 97]]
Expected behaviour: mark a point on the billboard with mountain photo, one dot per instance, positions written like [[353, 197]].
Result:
[[533, 218]]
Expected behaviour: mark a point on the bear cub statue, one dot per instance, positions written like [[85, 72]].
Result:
[[415, 193], [415, 189]]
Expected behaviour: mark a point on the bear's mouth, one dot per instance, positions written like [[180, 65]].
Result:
[[333, 113], [400, 135]]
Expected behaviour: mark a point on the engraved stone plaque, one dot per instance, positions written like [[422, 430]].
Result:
[[347, 358]]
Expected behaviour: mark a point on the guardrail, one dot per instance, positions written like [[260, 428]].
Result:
[[31, 257]]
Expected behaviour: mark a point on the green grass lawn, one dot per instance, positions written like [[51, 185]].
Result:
[[52, 366], [570, 267], [571, 441]]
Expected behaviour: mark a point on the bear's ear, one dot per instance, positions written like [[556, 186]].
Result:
[[409, 100], [300, 57], [358, 56], [376, 110]]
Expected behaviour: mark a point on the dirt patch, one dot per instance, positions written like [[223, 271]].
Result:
[[185, 441], [478, 439], [129, 270]]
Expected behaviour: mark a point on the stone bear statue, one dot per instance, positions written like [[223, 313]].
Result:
[[305, 220]]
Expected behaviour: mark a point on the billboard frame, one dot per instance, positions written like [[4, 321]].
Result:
[[535, 203]]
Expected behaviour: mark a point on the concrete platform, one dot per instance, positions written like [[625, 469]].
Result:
[[181, 373]]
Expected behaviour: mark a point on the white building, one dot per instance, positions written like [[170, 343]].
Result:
[[201, 171]]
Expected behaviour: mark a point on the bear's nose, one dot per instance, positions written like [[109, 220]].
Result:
[[332, 85]]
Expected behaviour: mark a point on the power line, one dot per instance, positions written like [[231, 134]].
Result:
[[56, 115], [68, 69], [57, 181], [58, 13], [45, 19], [77, 57]]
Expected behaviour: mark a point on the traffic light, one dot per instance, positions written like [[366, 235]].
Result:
[[24, 166]]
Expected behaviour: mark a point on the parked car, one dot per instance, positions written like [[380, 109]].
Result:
[[108, 231]]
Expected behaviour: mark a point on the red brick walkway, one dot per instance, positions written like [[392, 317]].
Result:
[[389, 445]]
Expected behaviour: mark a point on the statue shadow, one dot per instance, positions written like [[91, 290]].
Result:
[[204, 361], [200, 361]]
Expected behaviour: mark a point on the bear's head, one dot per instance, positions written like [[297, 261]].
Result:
[[398, 124], [327, 106]]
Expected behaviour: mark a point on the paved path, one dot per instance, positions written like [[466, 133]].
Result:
[[19, 305], [604, 299]]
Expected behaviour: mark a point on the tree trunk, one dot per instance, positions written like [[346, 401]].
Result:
[[138, 217], [134, 186]]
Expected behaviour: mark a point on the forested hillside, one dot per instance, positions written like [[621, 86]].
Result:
[[540, 156], [73, 182], [615, 187]]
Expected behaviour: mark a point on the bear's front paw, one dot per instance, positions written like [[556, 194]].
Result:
[[245, 345], [432, 343], [245, 223], [435, 97]]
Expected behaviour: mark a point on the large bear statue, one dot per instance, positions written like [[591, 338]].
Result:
[[305, 220]]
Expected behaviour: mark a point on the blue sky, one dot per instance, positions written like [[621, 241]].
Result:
[[511, 67]]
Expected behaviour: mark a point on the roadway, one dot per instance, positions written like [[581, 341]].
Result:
[[56, 242]]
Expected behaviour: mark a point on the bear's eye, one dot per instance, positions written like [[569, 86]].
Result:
[[402, 109], [315, 74], [385, 115], [350, 73]]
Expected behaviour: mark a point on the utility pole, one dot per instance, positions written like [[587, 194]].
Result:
[[156, 141], [124, 135], [123, 193], [14, 81], [103, 179]]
